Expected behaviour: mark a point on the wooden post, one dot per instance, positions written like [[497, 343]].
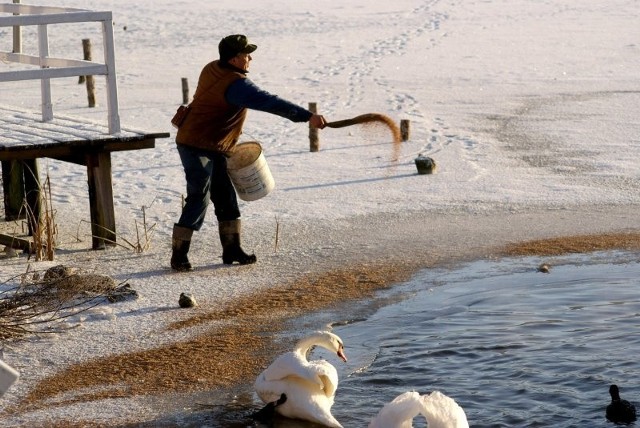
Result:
[[185, 91], [314, 140], [21, 183], [103, 221], [91, 85], [17, 35], [13, 187], [405, 126], [86, 55]]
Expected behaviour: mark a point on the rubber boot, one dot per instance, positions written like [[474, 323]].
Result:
[[230, 240], [180, 243]]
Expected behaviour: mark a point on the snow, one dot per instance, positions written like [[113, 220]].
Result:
[[529, 110]]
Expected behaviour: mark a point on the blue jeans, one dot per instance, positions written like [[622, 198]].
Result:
[[207, 179]]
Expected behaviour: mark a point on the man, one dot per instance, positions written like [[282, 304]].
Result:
[[208, 135]]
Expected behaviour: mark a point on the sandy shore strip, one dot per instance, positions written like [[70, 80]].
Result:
[[230, 354]]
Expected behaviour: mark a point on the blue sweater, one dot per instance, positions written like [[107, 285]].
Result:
[[244, 93]]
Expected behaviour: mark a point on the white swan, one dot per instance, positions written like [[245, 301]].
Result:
[[310, 386], [443, 412], [439, 410], [400, 412]]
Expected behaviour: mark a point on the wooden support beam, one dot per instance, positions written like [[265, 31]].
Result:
[[103, 221], [13, 190], [21, 183], [17, 243]]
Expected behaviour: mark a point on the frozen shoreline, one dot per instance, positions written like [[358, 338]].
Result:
[[529, 109], [375, 239]]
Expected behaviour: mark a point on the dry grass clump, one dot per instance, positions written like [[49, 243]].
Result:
[[140, 244], [143, 235], [44, 228], [574, 244], [42, 298], [37, 209]]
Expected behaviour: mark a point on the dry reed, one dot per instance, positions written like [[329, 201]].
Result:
[[39, 299]]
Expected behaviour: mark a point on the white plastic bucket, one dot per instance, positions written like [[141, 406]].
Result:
[[8, 375], [249, 171]]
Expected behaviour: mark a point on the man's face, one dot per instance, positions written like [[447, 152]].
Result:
[[241, 61]]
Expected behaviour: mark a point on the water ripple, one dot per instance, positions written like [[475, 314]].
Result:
[[517, 349]]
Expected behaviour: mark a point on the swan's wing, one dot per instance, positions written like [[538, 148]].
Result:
[[327, 375], [292, 365], [442, 411], [399, 413]]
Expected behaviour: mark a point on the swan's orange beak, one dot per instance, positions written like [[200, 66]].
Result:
[[341, 355]]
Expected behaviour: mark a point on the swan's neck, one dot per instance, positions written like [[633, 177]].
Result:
[[303, 347]]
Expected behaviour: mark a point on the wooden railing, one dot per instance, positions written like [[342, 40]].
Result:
[[51, 67]]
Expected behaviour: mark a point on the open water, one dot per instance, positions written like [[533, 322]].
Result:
[[514, 347]]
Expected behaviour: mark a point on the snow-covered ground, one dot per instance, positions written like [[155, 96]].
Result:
[[530, 110]]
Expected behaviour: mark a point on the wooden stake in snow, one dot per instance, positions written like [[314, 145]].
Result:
[[185, 91], [314, 140], [91, 86], [17, 35], [405, 127]]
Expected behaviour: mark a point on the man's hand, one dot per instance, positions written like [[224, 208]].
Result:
[[317, 121]]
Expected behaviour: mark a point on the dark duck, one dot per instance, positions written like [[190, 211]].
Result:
[[267, 414], [620, 411]]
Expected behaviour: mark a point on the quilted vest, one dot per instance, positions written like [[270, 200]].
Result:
[[212, 123]]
